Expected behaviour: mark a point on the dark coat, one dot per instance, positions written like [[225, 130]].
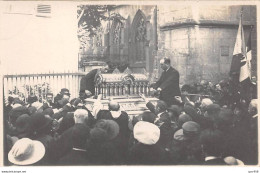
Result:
[[122, 139], [169, 83], [74, 157], [88, 81], [141, 154], [64, 144], [164, 123]]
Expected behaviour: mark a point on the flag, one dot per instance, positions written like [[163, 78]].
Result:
[[239, 69], [249, 54]]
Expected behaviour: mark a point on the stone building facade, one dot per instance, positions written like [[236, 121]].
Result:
[[199, 40]]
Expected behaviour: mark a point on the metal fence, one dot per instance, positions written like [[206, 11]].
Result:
[[40, 84]]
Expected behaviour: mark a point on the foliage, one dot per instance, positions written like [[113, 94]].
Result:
[[90, 18], [23, 92]]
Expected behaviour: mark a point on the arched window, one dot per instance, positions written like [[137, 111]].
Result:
[[139, 37]]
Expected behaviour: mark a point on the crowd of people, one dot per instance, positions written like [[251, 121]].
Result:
[[200, 128], [199, 124]]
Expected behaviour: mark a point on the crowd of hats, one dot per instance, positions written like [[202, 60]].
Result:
[[64, 132]]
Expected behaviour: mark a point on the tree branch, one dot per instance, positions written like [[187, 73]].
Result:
[[81, 14]]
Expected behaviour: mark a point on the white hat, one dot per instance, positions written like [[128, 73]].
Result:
[[233, 161], [26, 151], [205, 102], [146, 133]]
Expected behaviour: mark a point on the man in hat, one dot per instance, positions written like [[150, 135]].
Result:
[[162, 120], [61, 98], [77, 154], [168, 84], [146, 150], [184, 148]]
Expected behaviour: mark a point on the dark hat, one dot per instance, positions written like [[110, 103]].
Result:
[[76, 101], [175, 109], [32, 110], [104, 114], [148, 116], [110, 126], [190, 110], [65, 91], [23, 126], [189, 130], [48, 111], [162, 105], [211, 110], [32, 98], [183, 118], [41, 123], [98, 135], [16, 112]]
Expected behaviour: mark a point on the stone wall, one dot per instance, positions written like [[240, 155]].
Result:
[[200, 39]]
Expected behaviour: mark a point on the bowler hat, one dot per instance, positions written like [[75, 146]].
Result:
[[183, 118], [16, 112], [189, 130], [23, 126], [110, 126], [41, 123]]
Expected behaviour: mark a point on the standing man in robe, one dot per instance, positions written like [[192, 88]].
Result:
[[168, 84]]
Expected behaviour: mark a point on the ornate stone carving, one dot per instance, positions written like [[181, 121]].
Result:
[[141, 30], [117, 33]]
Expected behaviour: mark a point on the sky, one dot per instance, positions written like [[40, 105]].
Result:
[[31, 44]]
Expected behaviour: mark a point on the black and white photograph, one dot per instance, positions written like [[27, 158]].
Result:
[[114, 83]]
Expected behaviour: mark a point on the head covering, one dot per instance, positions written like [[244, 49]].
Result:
[[233, 161], [146, 133], [212, 110], [32, 99], [183, 118], [23, 126], [189, 130], [33, 152], [41, 123], [48, 111], [190, 110], [65, 91], [98, 135], [205, 102], [110, 126], [16, 112], [32, 110], [175, 109]]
